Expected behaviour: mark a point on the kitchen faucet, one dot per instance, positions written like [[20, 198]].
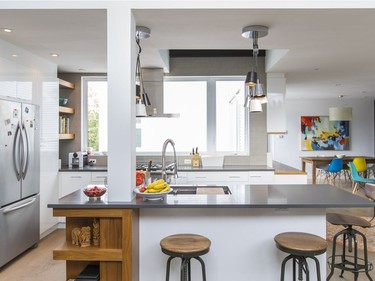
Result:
[[163, 169]]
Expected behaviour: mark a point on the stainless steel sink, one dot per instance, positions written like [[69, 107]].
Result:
[[200, 189]]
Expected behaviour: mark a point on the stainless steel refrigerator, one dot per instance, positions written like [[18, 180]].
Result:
[[19, 178]]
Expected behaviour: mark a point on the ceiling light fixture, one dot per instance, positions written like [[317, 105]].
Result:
[[257, 93], [54, 54], [341, 113], [142, 99], [8, 30]]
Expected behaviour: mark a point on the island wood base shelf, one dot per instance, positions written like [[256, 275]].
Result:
[[118, 249]]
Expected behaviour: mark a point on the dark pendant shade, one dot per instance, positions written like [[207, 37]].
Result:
[[251, 78]]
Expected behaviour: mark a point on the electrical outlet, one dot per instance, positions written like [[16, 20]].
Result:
[[92, 161], [187, 161]]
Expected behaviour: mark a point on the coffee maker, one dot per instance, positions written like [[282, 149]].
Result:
[[77, 159]]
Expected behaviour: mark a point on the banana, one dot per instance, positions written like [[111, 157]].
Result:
[[153, 184], [167, 188], [160, 186]]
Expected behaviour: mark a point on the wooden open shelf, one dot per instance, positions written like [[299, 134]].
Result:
[[117, 253], [66, 110], [66, 136], [93, 253], [65, 84]]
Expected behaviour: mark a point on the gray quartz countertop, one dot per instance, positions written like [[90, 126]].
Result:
[[243, 196]]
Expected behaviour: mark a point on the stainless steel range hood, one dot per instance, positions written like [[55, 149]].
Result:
[[153, 83]]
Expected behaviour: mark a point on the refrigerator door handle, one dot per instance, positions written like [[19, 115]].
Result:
[[27, 203], [26, 156], [16, 152]]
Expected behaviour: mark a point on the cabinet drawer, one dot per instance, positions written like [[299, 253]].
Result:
[[261, 177], [218, 177], [72, 181], [98, 177]]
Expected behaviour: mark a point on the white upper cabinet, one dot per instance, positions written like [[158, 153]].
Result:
[[25, 81], [8, 78]]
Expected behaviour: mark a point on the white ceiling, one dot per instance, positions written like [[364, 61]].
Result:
[[330, 51]]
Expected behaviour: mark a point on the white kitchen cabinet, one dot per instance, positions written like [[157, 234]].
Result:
[[98, 177], [72, 181], [217, 177], [8, 78], [261, 177], [182, 178], [25, 82]]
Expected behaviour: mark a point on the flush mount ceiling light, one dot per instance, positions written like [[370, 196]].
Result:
[[141, 32], [340, 113]]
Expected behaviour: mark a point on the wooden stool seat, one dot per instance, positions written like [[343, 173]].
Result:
[[346, 220], [186, 247], [300, 246], [300, 243]]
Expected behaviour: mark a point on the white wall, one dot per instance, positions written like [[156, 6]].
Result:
[[286, 148]]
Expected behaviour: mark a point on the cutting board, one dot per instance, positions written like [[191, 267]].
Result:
[[210, 190]]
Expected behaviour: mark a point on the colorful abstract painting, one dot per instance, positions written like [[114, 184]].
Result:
[[318, 133]]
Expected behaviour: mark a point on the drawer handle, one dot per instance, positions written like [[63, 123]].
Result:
[[101, 177], [75, 177], [200, 177], [234, 177], [255, 176]]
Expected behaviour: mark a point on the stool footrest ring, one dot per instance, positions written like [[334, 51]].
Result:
[[349, 265]]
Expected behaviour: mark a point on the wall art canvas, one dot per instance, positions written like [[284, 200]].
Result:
[[318, 133]]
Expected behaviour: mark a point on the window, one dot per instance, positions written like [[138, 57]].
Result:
[[94, 111], [212, 116]]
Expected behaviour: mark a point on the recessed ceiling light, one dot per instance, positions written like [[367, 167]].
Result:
[[15, 55], [81, 69], [54, 54], [6, 30]]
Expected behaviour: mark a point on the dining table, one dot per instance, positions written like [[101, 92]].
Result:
[[325, 160]]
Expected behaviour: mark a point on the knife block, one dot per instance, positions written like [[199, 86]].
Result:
[[196, 160]]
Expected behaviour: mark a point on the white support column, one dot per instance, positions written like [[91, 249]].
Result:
[[121, 114]]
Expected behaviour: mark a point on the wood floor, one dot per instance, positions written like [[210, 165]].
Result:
[[37, 264]]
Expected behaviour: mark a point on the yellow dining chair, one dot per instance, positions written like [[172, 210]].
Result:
[[360, 165]]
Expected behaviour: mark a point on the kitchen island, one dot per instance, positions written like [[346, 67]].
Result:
[[241, 227]]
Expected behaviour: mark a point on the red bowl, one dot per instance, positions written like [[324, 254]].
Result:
[[94, 191]]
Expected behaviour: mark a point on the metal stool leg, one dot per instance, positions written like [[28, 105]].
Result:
[[317, 268], [203, 267], [168, 268], [365, 255], [283, 266]]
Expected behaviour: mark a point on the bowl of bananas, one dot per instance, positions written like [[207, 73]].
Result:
[[156, 190]]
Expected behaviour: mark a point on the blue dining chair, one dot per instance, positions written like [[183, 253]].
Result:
[[358, 181], [333, 170]]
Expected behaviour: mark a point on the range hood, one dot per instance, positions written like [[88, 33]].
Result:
[[153, 83]]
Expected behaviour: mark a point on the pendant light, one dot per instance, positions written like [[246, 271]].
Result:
[[257, 93], [342, 113], [142, 99]]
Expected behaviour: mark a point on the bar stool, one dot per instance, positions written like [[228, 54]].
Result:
[[349, 235], [186, 247], [299, 246]]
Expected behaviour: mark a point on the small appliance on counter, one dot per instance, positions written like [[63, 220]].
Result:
[[77, 159]]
